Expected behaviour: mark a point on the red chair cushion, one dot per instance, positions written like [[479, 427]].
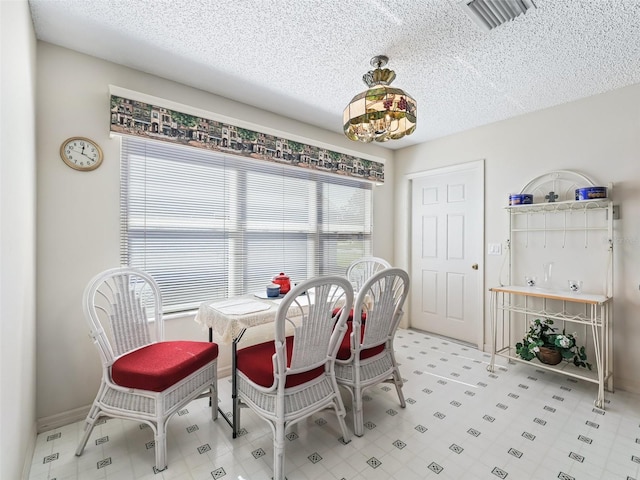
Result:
[[158, 366], [344, 352], [363, 315], [255, 362]]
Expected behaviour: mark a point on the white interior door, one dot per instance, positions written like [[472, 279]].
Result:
[[447, 252]]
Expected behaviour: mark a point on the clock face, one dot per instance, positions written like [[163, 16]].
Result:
[[81, 153]]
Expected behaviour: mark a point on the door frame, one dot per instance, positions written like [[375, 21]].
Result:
[[480, 247]]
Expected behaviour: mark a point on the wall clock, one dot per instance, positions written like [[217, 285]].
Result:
[[81, 153]]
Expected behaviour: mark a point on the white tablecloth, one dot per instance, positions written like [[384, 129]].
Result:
[[227, 318]]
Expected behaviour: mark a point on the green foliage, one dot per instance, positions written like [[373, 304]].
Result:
[[248, 135], [334, 156], [184, 119], [295, 147], [115, 101], [542, 334]]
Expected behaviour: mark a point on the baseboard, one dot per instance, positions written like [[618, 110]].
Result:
[[626, 384], [224, 372], [61, 419]]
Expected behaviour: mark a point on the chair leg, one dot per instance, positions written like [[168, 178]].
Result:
[[88, 428], [214, 401], [278, 452], [160, 438], [358, 415], [397, 380], [341, 414], [92, 416]]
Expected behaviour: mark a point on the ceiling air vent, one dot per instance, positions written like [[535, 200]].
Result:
[[489, 14]]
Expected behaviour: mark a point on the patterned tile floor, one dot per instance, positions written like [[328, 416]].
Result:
[[461, 422]]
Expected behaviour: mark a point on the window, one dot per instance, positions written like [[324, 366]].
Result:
[[208, 225]]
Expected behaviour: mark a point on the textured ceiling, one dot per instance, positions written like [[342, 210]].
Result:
[[305, 59]]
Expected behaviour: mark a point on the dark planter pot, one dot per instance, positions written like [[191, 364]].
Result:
[[549, 355]]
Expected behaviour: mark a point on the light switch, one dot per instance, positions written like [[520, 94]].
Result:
[[495, 249]]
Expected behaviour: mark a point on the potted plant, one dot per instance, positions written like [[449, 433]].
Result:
[[544, 342]]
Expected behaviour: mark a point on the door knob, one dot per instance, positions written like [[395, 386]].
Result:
[[474, 266]]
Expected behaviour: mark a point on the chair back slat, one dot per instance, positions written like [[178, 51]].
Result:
[[317, 332], [121, 306], [364, 268], [381, 298], [129, 320]]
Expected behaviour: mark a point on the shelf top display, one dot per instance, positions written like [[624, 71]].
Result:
[[558, 187], [558, 206]]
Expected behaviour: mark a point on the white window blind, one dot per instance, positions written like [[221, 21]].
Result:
[[209, 226]]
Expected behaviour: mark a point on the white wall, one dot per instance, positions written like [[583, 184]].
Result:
[[78, 213], [599, 137], [17, 239]]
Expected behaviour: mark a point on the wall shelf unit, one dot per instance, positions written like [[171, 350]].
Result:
[[576, 236]]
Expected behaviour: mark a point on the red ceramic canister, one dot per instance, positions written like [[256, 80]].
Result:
[[283, 281]]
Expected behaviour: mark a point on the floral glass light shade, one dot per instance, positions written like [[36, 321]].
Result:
[[382, 112]]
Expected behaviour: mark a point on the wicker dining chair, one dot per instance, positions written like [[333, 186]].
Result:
[[360, 270], [144, 377], [366, 357], [291, 377]]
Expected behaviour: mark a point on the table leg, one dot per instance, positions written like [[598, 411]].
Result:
[[234, 384], [210, 400]]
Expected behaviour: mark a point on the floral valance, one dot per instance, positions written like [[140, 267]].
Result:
[[133, 117]]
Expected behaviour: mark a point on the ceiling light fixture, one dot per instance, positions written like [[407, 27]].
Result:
[[382, 112]]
